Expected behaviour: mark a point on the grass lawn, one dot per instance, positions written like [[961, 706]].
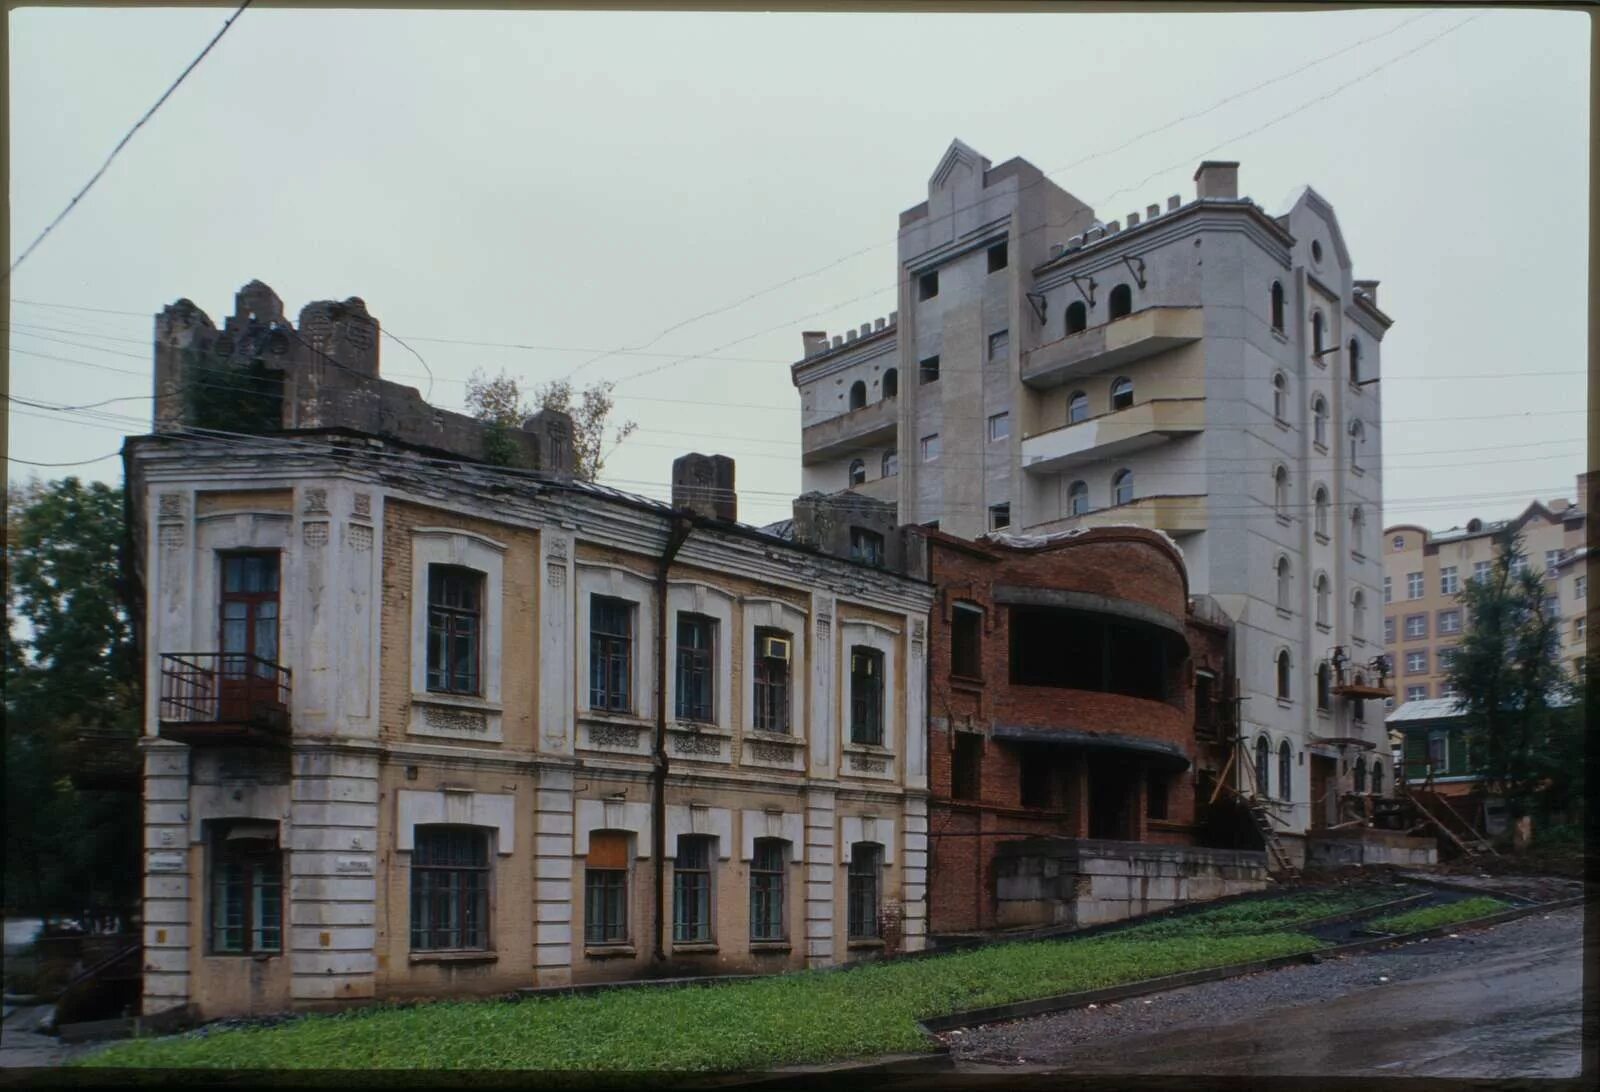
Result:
[[1256, 916], [1416, 920], [757, 1025]]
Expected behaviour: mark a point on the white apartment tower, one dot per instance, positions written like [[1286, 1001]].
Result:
[[1203, 368]]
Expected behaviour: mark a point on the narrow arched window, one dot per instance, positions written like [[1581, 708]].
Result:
[[891, 463], [1316, 335], [1280, 490], [891, 383], [1323, 678], [1121, 394], [858, 394], [1277, 306], [1355, 361], [1358, 613], [1319, 421], [1322, 599], [1358, 437], [858, 472], [1280, 397], [1263, 757], [1077, 317], [1283, 675], [1360, 772], [1358, 530], [1077, 498], [1321, 504], [1377, 778], [1120, 302], [1122, 487], [1077, 407], [1285, 769], [1283, 583]]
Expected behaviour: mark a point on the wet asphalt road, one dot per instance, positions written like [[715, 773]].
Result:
[[1498, 1003]]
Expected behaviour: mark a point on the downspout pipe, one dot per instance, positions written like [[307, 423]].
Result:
[[682, 524]]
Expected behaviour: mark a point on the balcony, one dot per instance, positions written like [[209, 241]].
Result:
[[1101, 348], [224, 699], [1113, 435], [872, 425], [1176, 514]]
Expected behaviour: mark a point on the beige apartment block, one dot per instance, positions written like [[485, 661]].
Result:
[[1424, 571]]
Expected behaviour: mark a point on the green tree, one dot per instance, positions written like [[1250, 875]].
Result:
[[70, 665], [1507, 674], [499, 402]]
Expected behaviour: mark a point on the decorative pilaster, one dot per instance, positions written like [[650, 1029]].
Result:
[[552, 876], [168, 932], [820, 868], [333, 843], [914, 875]]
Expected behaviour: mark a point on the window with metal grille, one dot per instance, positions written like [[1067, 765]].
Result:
[[771, 677], [455, 620], [966, 641], [611, 654], [449, 889], [246, 890], [866, 695], [966, 767], [696, 636], [605, 889], [766, 889], [691, 890], [866, 862]]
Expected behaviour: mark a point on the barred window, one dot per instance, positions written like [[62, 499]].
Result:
[[611, 654], [246, 892], [455, 621], [696, 638], [449, 889], [772, 680], [605, 889], [766, 889], [691, 890], [866, 696], [866, 860]]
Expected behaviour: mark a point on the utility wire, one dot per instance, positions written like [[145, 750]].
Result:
[[148, 114]]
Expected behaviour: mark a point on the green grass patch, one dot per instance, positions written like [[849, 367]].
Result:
[[1251, 917], [756, 1025], [1416, 920]]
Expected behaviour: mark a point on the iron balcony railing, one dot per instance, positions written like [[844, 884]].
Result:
[[234, 692]]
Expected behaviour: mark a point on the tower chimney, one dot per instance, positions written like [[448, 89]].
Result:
[[704, 485], [1217, 178]]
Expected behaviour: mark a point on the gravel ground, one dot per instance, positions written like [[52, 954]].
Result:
[[1054, 1038]]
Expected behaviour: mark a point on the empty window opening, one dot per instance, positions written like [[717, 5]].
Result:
[[1319, 421], [1077, 317], [1121, 394], [1280, 397], [1037, 785], [1285, 769], [1262, 766], [1078, 651], [1284, 582], [997, 257], [1360, 775], [966, 767], [999, 516], [928, 370], [858, 395], [891, 383], [866, 546], [891, 464], [1277, 306], [1280, 490], [1120, 302], [966, 641], [1155, 800], [1355, 361], [1113, 796], [1283, 675], [928, 286], [1358, 437], [1323, 675], [1322, 599], [1316, 334]]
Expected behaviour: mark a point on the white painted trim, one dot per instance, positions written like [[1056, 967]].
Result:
[[717, 822], [788, 825], [459, 533], [619, 583], [760, 613], [694, 597], [473, 809], [855, 633], [854, 828], [445, 546]]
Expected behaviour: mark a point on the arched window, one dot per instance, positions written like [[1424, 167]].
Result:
[[891, 383], [1077, 317], [1283, 675], [1316, 334], [1122, 487], [1360, 772], [1121, 393], [1282, 569], [1263, 756], [1077, 407], [858, 472], [1077, 498], [1285, 769], [1358, 437], [1358, 530], [1280, 490], [1321, 503], [1323, 681], [1358, 613], [1120, 301], [1280, 397], [1277, 306], [891, 463], [1355, 361], [1322, 599], [1377, 778], [1319, 421], [858, 394]]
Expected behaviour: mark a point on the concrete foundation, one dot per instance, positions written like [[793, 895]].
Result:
[[1359, 846]]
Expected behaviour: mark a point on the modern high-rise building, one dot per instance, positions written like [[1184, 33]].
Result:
[[1424, 571], [1203, 368]]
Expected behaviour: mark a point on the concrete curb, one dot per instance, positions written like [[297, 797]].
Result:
[[1359, 912], [1471, 889], [1020, 1009]]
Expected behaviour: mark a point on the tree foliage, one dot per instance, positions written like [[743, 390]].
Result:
[[70, 665], [499, 403], [230, 397], [1507, 674]]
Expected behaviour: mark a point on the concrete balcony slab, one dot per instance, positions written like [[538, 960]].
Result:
[[1121, 341]]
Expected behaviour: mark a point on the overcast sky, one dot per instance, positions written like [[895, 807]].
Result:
[[582, 181]]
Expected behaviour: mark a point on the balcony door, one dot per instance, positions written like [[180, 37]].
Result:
[[249, 624]]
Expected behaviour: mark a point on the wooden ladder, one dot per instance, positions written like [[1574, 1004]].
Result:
[[1277, 855]]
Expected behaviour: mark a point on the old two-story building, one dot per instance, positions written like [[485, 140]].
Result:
[[417, 724]]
